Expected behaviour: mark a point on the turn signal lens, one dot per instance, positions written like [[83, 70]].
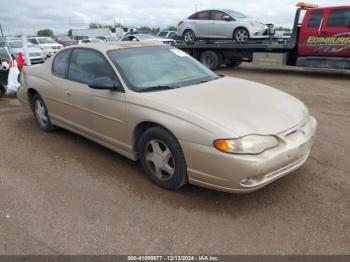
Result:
[[251, 144]]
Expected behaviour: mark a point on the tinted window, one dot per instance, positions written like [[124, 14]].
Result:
[[200, 16], [86, 65], [217, 15], [203, 15], [60, 63], [315, 19], [33, 41], [339, 18]]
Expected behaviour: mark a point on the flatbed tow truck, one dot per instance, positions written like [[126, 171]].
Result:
[[321, 40]]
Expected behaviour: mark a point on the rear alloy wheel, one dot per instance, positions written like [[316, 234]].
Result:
[[162, 159], [41, 114], [189, 37], [241, 35], [211, 59]]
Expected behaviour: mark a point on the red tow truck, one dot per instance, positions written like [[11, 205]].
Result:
[[320, 40]]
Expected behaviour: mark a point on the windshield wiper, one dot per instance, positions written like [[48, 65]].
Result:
[[158, 88], [206, 80]]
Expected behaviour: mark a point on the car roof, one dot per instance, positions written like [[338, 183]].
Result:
[[104, 47]]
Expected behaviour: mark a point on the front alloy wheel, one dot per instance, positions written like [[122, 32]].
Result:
[[241, 35]]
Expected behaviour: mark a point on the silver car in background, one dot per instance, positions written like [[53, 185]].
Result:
[[37, 55], [221, 24]]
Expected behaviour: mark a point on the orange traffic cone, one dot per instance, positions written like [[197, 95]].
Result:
[[20, 61]]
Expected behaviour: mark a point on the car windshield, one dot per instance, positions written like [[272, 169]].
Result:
[[95, 40], [46, 41], [163, 34], [235, 14], [145, 37], [111, 39], [16, 44], [147, 68], [64, 38]]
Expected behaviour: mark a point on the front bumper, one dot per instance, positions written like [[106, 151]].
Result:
[[207, 167]]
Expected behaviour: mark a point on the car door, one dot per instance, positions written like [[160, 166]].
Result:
[[201, 24], [312, 33], [221, 27], [56, 99], [98, 113], [337, 30]]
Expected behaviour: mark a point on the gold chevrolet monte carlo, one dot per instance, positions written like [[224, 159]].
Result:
[[154, 103]]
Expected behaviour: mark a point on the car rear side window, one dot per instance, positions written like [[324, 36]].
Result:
[[60, 63], [315, 19], [201, 16], [87, 64], [339, 18]]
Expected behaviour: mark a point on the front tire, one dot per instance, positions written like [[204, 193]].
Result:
[[241, 35], [41, 114], [189, 36], [162, 159]]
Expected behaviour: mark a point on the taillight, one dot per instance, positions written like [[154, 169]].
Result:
[[180, 23]]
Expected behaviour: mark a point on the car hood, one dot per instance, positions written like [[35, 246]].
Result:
[[251, 19], [51, 45], [238, 106], [30, 49]]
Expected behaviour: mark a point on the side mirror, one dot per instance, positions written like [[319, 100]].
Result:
[[104, 83], [227, 18]]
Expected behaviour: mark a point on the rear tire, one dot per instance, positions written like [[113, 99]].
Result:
[[189, 36], [234, 63], [41, 114], [162, 159], [2, 91], [211, 59]]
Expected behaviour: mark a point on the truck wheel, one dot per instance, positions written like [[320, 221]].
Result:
[[211, 59], [2, 91], [241, 35], [234, 63], [189, 37]]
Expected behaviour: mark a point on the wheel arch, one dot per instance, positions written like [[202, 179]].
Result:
[[30, 94], [140, 129]]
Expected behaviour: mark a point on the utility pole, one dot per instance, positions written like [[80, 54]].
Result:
[[2, 33]]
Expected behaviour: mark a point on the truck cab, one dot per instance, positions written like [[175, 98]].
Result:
[[325, 32]]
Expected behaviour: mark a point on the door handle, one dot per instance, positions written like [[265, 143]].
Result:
[[67, 93]]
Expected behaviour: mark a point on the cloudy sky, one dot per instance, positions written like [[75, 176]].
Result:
[[28, 16]]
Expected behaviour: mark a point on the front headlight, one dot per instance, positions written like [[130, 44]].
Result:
[[251, 144], [256, 24]]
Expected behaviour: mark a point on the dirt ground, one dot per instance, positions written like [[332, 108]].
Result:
[[62, 194]]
